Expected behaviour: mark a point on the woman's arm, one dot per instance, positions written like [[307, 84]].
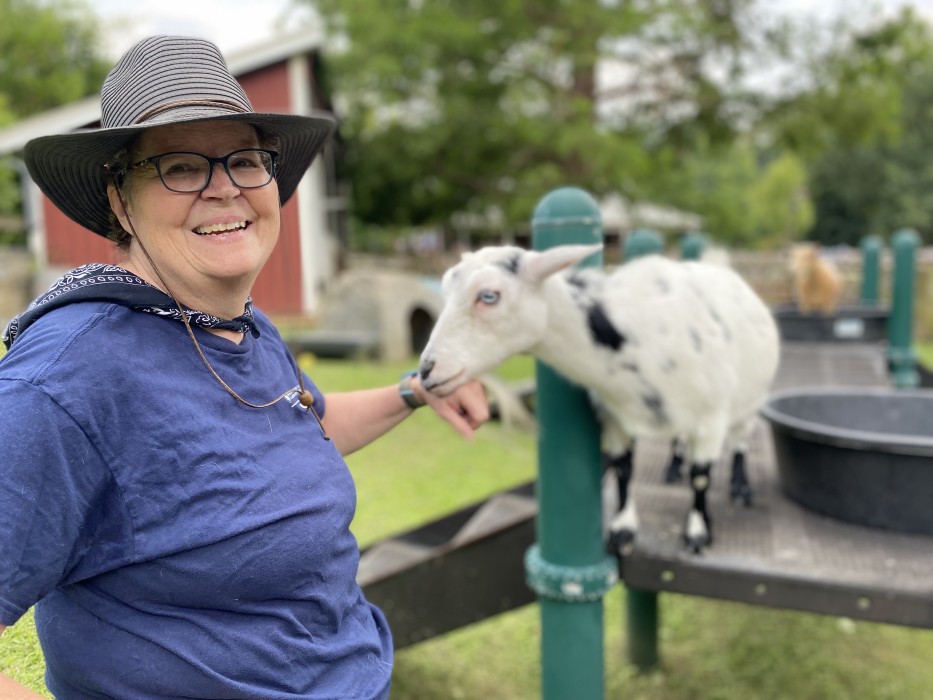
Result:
[[11, 690], [356, 418]]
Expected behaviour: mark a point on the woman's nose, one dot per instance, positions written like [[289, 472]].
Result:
[[220, 184]]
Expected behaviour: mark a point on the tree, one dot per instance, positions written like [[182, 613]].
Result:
[[470, 105], [864, 128], [48, 57], [48, 54], [747, 199]]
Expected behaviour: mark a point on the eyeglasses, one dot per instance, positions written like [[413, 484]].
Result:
[[183, 171]]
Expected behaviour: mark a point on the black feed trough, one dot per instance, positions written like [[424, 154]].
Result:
[[860, 455], [859, 324]]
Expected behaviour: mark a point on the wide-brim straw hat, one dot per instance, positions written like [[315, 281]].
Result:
[[162, 80]]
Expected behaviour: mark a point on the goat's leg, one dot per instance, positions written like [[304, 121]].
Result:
[[704, 447], [624, 524], [673, 473], [740, 490], [619, 457], [698, 533]]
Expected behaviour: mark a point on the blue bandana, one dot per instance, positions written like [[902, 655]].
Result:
[[100, 282]]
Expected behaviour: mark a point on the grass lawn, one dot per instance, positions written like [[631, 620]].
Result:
[[711, 650], [925, 354]]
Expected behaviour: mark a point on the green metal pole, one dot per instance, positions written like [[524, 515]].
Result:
[[692, 245], [642, 241], [902, 359], [642, 608], [568, 568], [871, 257]]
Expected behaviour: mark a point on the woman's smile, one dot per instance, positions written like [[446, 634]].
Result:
[[217, 230]]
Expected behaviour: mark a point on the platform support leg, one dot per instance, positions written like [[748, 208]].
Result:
[[642, 615]]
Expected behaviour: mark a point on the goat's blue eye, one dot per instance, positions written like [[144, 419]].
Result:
[[487, 296]]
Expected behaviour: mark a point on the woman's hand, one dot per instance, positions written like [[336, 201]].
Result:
[[466, 408]]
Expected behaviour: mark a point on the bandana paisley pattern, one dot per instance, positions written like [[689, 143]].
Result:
[[102, 282]]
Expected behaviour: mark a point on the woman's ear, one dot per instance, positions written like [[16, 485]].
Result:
[[116, 199]]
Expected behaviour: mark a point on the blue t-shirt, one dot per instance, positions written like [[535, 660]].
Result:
[[175, 542]]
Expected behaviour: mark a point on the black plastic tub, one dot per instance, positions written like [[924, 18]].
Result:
[[859, 324], [860, 455]]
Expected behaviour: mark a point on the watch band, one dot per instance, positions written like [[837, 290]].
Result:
[[406, 392]]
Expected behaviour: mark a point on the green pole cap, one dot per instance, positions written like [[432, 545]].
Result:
[[871, 243], [566, 206], [692, 245], [642, 241], [905, 238]]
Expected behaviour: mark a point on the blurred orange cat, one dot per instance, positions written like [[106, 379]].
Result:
[[817, 281]]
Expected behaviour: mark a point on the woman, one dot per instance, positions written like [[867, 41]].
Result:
[[175, 503]]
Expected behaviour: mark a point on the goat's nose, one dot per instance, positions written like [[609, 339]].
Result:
[[426, 367]]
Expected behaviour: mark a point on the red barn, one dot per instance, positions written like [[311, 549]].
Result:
[[278, 76]]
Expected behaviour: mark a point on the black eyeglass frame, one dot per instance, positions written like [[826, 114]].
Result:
[[223, 160]]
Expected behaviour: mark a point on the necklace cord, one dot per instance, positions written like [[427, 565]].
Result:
[[305, 398]]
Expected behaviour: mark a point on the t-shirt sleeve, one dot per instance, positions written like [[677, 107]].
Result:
[[54, 487]]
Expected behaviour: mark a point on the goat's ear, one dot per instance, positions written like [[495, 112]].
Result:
[[538, 265]]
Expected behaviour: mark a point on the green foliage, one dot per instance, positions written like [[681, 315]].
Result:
[[460, 116], [868, 114], [48, 57], [746, 201], [781, 210], [451, 107]]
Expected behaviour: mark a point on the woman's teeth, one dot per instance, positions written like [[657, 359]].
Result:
[[219, 228]]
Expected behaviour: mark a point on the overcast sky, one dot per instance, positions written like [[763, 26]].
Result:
[[234, 24], [231, 24]]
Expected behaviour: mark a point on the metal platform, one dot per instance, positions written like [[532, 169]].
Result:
[[469, 565], [777, 553]]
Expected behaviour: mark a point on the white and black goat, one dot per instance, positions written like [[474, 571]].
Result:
[[667, 349]]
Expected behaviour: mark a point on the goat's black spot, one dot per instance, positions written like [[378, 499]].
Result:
[[630, 367], [511, 263], [577, 280], [604, 333], [726, 333], [654, 403], [696, 339]]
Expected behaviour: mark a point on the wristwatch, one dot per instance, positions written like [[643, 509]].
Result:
[[407, 393]]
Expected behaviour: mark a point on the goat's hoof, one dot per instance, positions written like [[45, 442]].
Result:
[[741, 495], [695, 544], [621, 543]]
